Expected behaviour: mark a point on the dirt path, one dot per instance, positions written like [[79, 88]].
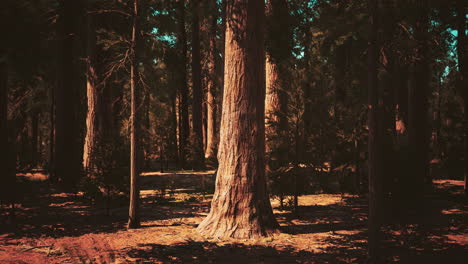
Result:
[[63, 228]]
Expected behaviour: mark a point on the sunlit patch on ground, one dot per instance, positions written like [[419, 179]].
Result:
[[34, 176]]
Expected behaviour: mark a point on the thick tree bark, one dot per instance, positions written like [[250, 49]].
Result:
[[197, 92], [273, 103], [241, 207], [67, 153], [211, 137], [93, 138], [184, 126], [375, 136], [463, 75], [418, 126], [133, 213]]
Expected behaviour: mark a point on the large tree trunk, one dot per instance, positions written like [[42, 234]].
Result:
[[197, 123], [93, 138], [67, 154], [133, 212], [7, 178], [463, 75], [273, 103], [375, 137], [3, 107], [276, 99], [184, 126], [241, 207], [418, 126], [211, 137], [387, 87]]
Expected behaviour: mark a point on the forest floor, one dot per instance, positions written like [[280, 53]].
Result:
[[329, 228]]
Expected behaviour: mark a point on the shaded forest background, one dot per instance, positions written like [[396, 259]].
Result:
[[320, 51]]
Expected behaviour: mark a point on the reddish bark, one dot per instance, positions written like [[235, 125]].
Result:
[[241, 207]]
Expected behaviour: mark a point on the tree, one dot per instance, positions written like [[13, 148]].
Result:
[[463, 75], [184, 127], [278, 49], [418, 124], [67, 155], [6, 156], [211, 85], [241, 207], [197, 125], [375, 134], [135, 157], [94, 117]]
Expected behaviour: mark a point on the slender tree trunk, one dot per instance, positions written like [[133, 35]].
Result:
[[307, 97], [463, 75], [67, 155], [211, 137], [184, 127], [146, 130], [375, 137], [241, 207], [173, 136], [133, 213], [93, 138], [197, 124], [418, 127]]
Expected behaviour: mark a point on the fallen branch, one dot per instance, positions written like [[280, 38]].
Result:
[[31, 248]]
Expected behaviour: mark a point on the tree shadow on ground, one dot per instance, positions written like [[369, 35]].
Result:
[[348, 214], [208, 252], [46, 212]]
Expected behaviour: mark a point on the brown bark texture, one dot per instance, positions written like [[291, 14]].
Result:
[[94, 95], [241, 207], [272, 102]]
